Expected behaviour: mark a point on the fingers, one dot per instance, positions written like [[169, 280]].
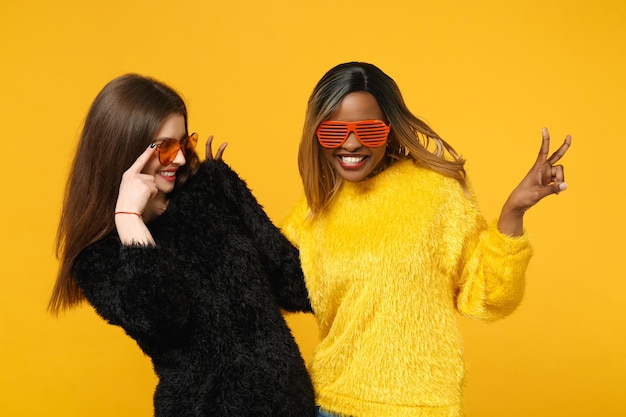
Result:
[[135, 192], [550, 175], [545, 178], [136, 188], [558, 174], [539, 193], [209, 149], [545, 146], [558, 179], [220, 150], [557, 187], [558, 154], [553, 176], [143, 159]]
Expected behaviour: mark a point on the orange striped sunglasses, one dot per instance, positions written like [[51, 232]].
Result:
[[371, 133]]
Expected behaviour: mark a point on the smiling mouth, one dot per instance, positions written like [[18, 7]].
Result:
[[168, 175], [351, 160]]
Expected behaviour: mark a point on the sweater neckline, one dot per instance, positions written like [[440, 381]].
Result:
[[368, 183]]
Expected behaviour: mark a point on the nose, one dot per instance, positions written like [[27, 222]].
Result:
[[180, 159], [352, 143]]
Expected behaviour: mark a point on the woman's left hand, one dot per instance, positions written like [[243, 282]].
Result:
[[544, 178], [209, 149]]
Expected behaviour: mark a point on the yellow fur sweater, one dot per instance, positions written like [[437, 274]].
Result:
[[387, 265]]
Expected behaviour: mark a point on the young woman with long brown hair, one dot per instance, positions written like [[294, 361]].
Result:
[[181, 256]]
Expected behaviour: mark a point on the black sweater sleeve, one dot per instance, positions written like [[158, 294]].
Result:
[[133, 287], [279, 257]]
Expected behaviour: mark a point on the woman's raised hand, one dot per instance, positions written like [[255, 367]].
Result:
[[136, 189], [546, 177], [209, 149]]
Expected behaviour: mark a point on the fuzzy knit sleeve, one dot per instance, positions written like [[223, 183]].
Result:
[[133, 287], [493, 275], [294, 221], [279, 257]]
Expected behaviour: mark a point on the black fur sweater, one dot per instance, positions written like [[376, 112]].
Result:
[[204, 303]]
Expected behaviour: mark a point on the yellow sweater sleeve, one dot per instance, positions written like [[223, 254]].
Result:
[[492, 280], [293, 222]]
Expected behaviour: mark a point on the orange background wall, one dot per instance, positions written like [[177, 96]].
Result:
[[487, 75]]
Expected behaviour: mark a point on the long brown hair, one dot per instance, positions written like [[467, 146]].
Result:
[[410, 137], [122, 121]]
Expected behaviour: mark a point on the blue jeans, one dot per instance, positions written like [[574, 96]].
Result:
[[324, 413]]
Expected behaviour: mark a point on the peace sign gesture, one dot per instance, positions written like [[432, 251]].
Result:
[[544, 178], [209, 150]]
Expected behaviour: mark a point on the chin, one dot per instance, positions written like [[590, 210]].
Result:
[[353, 177], [166, 189]]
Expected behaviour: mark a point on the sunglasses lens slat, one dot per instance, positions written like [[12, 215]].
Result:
[[372, 133], [332, 135]]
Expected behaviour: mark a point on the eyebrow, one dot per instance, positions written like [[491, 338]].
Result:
[[161, 139]]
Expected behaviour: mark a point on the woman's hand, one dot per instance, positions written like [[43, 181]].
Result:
[[543, 179], [209, 149], [136, 189]]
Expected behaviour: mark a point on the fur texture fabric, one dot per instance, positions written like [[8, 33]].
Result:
[[204, 304], [388, 265]]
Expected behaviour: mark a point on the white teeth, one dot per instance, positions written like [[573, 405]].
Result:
[[168, 173], [352, 159]]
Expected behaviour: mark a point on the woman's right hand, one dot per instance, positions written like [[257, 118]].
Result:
[[546, 177], [136, 189]]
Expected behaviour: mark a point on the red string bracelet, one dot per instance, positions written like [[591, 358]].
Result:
[[127, 212]]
